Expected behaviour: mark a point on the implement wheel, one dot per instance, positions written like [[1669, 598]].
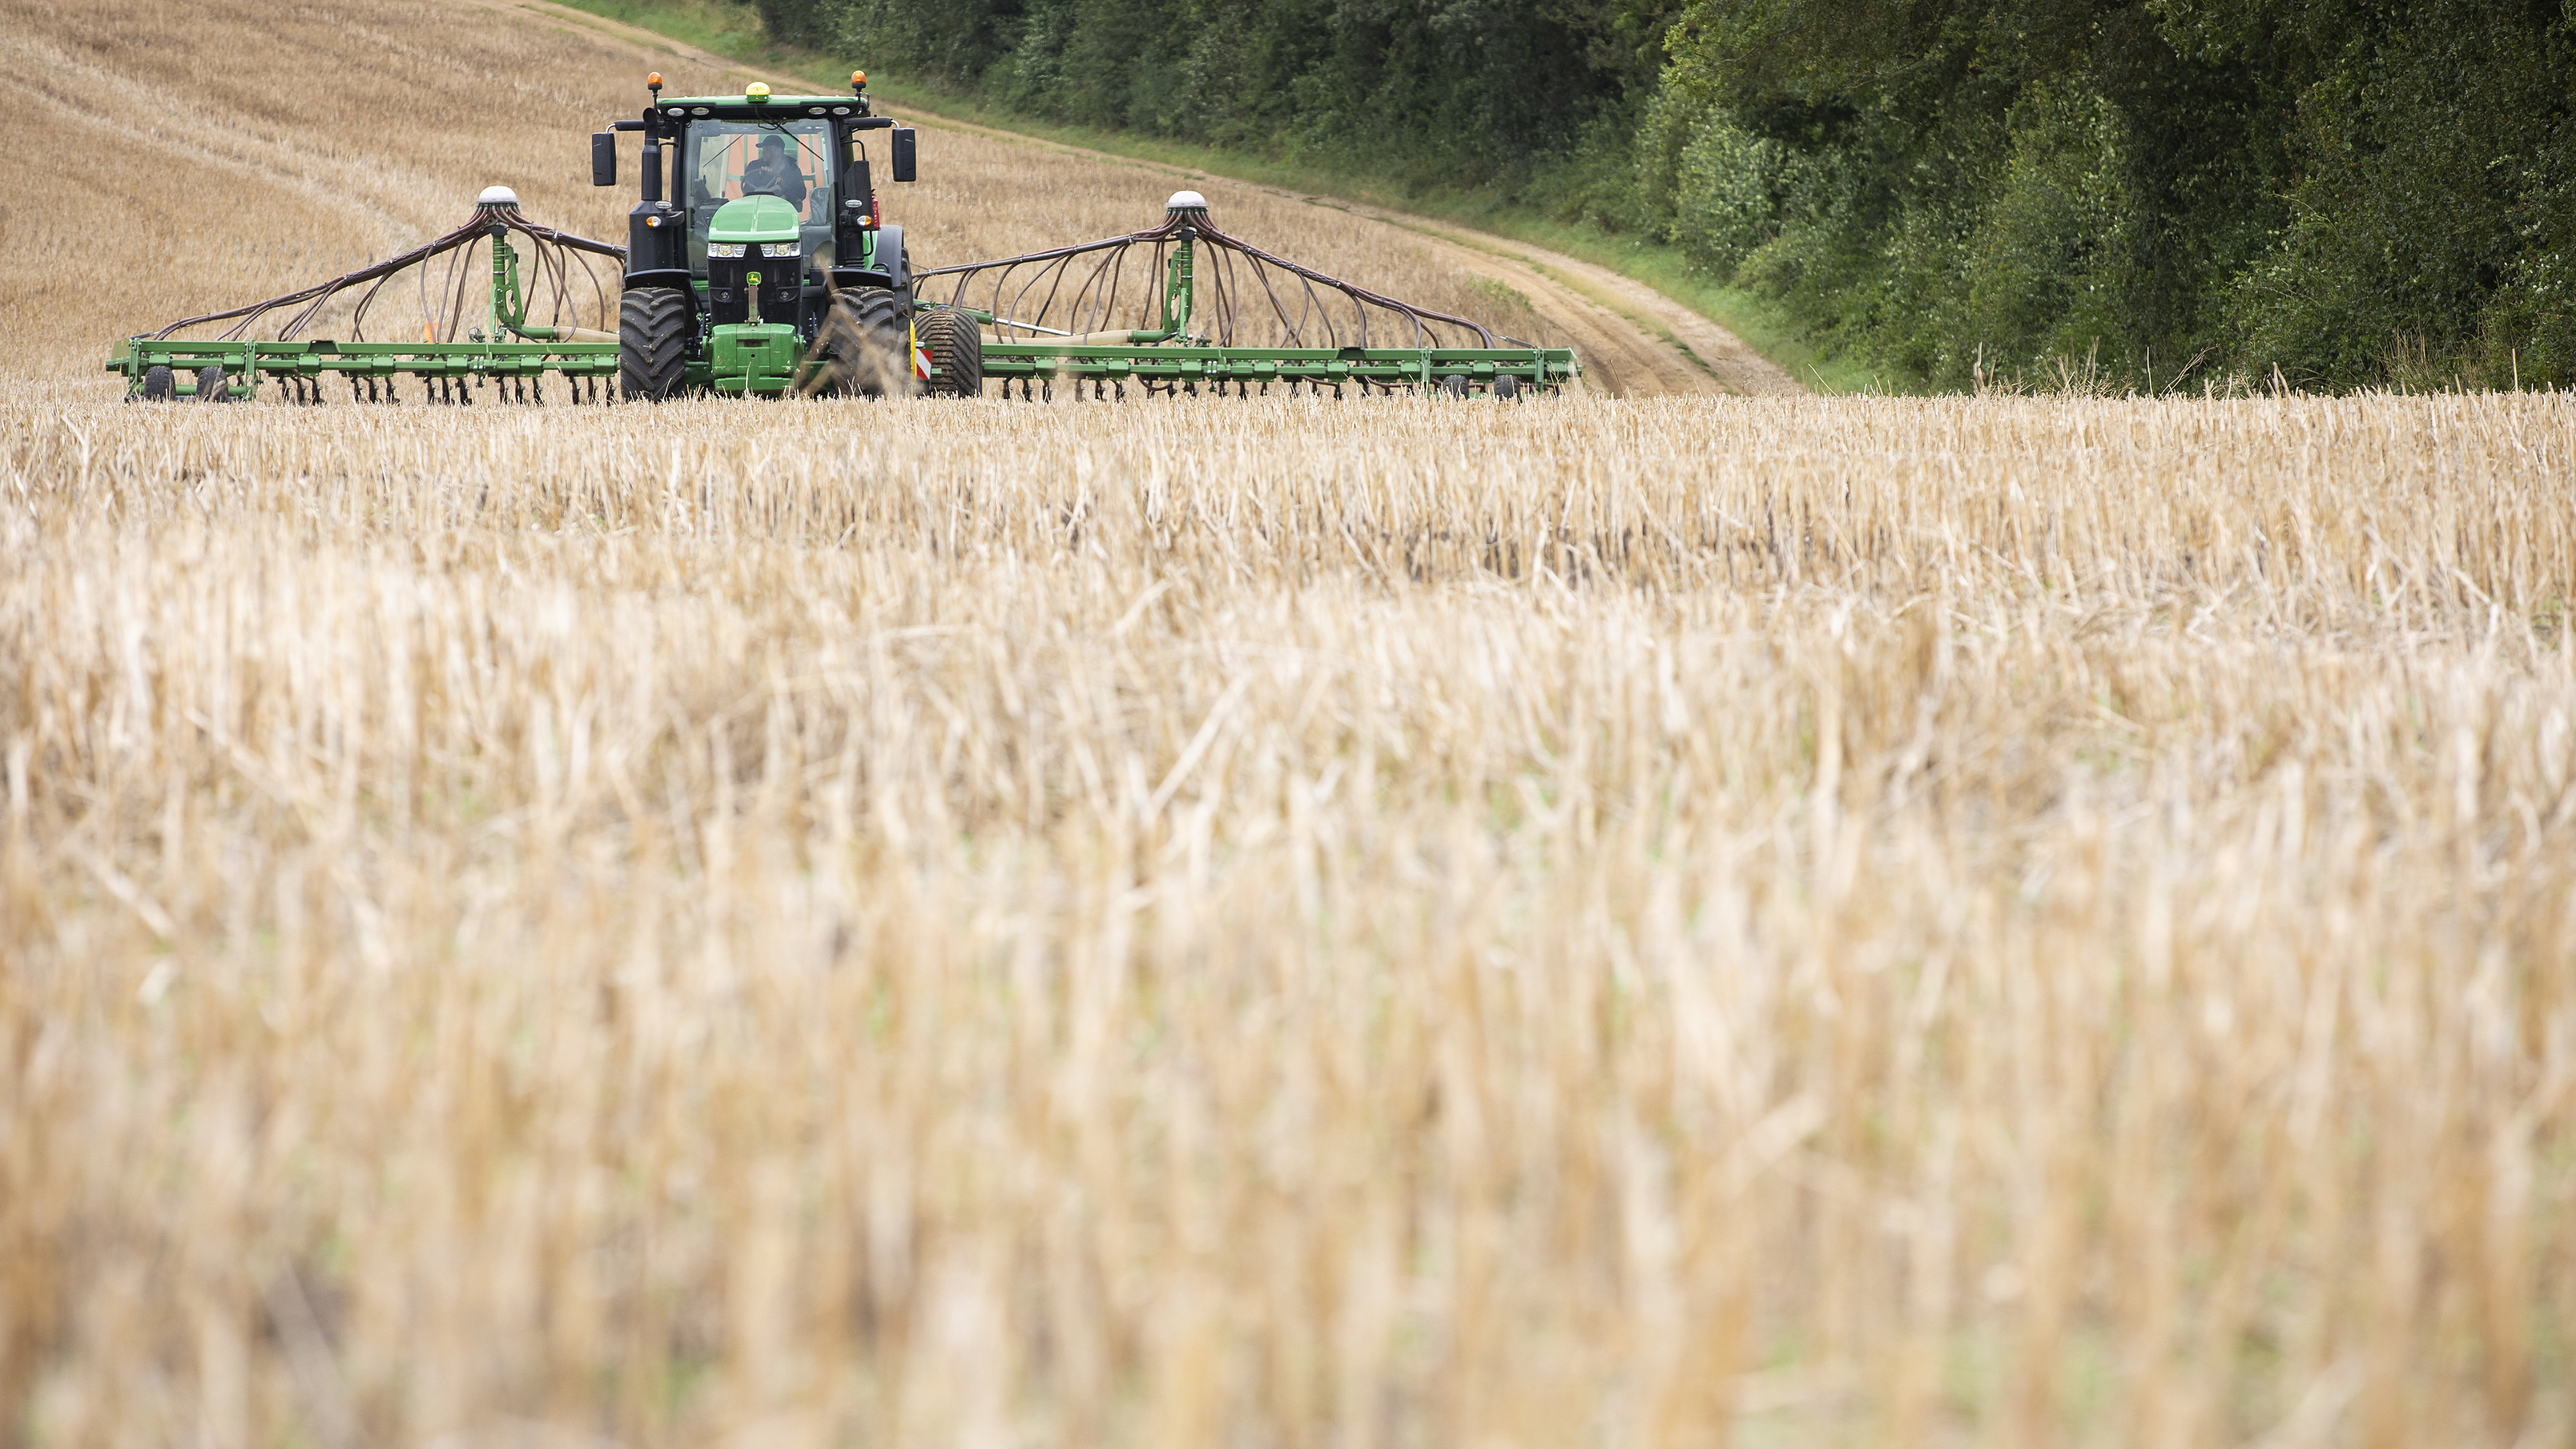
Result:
[[956, 348], [1506, 386], [862, 344], [159, 384], [652, 342], [211, 386]]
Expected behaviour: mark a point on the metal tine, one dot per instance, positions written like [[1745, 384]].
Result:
[[1161, 276], [1079, 307], [1037, 275], [958, 295], [1019, 298], [1098, 312], [1222, 274], [464, 273], [1219, 328], [1332, 331], [1000, 279], [1307, 306], [1261, 274], [1069, 307], [1112, 278], [1055, 284], [428, 317], [1082, 308]]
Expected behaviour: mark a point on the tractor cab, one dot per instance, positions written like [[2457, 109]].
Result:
[[725, 162], [756, 185]]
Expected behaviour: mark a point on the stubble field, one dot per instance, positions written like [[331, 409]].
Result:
[[1292, 922], [1280, 922]]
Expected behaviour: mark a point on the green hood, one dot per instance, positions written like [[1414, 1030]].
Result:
[[754, 219]]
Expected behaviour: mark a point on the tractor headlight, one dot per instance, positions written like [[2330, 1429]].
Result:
[[724, 249], [779, 249]]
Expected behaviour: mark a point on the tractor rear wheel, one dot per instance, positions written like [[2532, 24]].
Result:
[[652, 342], [159, 384], [212, 387], [863, 344], [956, 348]]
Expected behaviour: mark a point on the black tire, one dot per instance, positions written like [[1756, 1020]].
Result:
[[956, 348], [653, 325], [212, 386], [1453, 386], [159, 384], [1506, 386], [863, 344]]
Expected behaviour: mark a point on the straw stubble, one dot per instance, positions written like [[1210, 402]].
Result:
[[1288, 922]]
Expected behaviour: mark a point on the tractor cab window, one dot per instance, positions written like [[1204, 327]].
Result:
[[729, 160]]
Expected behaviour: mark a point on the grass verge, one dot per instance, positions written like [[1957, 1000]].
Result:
[[733, 30]]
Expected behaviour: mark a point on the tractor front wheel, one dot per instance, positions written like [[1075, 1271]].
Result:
[[652, 342], [863, 345], [956, 348]]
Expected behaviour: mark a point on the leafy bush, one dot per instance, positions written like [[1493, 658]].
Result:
[[2350, 192], [1726, 185]]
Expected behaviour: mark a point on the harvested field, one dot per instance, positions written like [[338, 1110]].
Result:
[[1626, 921], [1295, 921]]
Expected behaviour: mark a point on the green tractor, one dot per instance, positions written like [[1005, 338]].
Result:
[[758, 259]]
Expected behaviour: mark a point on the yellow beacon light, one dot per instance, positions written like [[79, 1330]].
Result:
[[653, 82], [756, 92]]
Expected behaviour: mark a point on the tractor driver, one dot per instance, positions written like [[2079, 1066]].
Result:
[[773, 172]]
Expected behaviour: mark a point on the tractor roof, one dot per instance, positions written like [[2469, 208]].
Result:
[[776, 108]]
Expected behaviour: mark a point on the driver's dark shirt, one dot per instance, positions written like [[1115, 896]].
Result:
[[780, 179]]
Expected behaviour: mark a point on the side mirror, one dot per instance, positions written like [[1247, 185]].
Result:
[[603, 158], [903, 163]]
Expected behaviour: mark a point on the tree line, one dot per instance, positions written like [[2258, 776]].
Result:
[[2345, 192]]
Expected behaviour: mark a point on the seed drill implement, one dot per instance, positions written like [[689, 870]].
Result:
[[1216, 314], [758, 260], [464, 344]]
